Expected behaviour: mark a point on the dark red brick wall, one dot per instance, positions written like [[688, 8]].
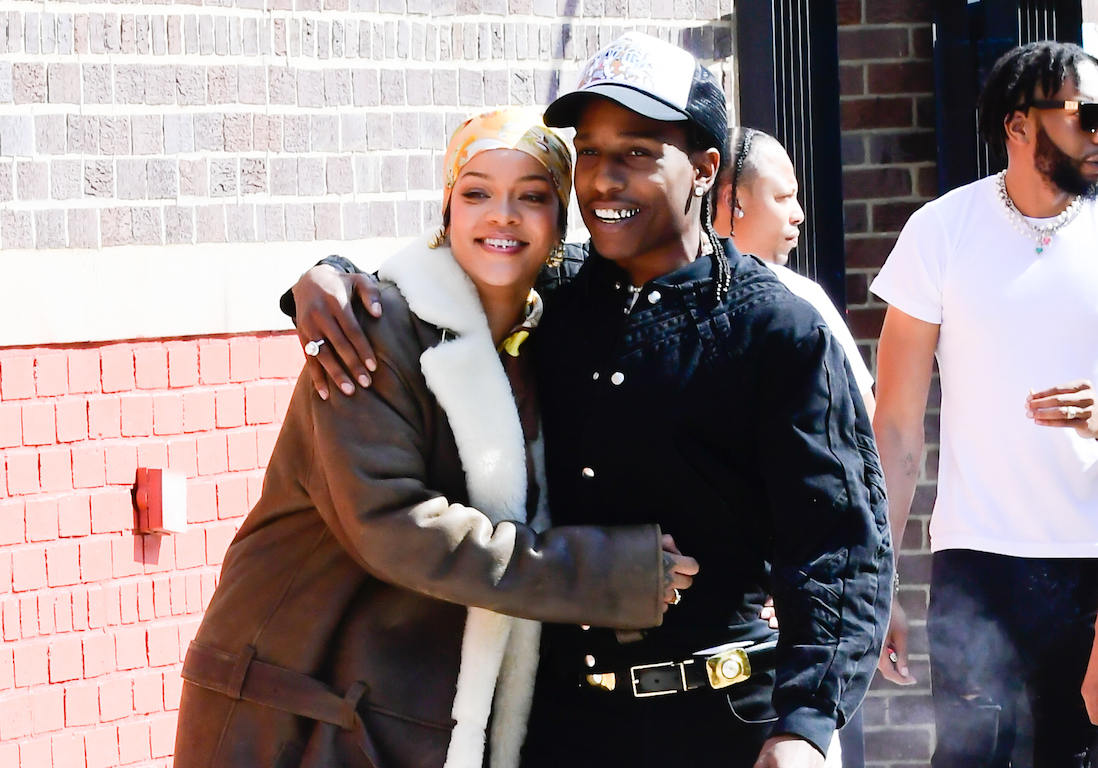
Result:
[[887, 83]]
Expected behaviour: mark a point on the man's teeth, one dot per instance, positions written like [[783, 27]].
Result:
[[501, 243], [615, 214]]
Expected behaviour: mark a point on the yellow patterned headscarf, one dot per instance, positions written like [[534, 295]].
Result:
[[518, 128]]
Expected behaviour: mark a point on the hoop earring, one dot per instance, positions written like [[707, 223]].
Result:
[[556, 256], [438, 238]]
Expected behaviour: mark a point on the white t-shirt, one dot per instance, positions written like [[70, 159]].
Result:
[[810, 291], [1011, 320]]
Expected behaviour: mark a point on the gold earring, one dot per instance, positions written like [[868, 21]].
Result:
[[556, 256], [438, 238]]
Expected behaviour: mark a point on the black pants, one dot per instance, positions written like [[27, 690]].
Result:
[[1001, 628], [581, 727]]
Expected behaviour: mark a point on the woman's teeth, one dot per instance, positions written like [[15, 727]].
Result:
[[614, 214], [501, 243]]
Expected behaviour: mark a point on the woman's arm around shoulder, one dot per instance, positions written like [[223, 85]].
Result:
[[379, 459]]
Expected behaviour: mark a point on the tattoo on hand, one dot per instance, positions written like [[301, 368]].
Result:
[[668, 570]]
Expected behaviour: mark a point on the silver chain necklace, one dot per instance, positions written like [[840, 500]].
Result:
[[1042, 234]]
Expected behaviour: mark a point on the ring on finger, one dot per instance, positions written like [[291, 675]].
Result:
[[1072, 412], [678, 597], [312, 349]]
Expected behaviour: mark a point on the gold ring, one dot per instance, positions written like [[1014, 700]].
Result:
[[678, 597]]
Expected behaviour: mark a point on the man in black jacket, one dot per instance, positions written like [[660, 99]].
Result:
[[682, 384]]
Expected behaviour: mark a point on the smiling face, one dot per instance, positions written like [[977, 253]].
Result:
[[504, 215], [635, 180], [772, 215], [1065, 154]]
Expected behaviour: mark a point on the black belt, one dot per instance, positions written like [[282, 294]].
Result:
[[716, 668]]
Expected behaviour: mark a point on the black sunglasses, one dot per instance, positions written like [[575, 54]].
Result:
[[1088, 111]]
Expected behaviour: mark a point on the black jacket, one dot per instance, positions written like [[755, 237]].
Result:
[[737, 426]]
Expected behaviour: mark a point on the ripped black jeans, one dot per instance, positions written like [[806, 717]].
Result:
[[1001, 628]]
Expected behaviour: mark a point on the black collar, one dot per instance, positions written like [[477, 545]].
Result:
[[600, 274]]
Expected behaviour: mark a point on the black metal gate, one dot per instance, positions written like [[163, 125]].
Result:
[[969, 38], [788, 62]]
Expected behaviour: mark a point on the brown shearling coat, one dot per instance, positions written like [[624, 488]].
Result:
[[358, 562]]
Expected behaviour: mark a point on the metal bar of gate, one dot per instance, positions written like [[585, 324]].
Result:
[[789, 86]]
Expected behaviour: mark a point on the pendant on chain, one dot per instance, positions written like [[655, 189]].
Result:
[[1041, 234]]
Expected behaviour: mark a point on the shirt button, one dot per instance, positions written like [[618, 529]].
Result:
[[654, 296], [595, 376], [588, 472], [589, 660], [617, 378], [585, 627], [617, 286]]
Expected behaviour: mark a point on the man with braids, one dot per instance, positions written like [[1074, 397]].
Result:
[[756, 205], [681, 382], [999, 280]]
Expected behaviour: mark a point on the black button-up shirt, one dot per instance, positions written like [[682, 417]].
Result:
[[738, 428]]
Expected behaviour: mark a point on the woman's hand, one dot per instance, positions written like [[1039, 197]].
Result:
[[678, 572], [769, 613], [324, 311], [1067, 405]]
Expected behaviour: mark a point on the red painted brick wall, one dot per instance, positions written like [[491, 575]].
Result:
[[887, 83], [95, 618]]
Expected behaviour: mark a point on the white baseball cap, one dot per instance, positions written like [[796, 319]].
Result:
[[650, 77]]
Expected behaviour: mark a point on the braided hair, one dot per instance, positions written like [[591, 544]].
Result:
[[742, 152], [699, 139], [1015, 79], [743, 140], [716, 247]]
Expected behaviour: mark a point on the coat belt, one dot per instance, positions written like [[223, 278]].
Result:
[[246, 678]]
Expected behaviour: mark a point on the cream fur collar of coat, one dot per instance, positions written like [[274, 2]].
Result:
[[499, 654]]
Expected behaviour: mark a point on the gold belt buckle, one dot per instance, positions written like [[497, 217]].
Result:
[[728, 667], [662, 665], [607, 681]]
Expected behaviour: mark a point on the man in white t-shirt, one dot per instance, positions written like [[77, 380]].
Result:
[[999, 280], [757, 207]]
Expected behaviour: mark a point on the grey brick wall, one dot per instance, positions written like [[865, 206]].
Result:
[[160, 123]]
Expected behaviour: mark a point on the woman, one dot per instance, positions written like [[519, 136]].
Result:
[[338, 635]]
